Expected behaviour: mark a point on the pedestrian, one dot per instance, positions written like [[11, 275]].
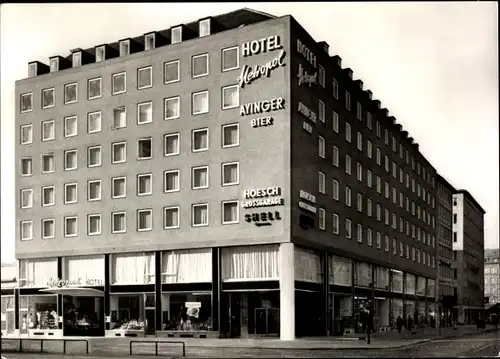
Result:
[[399, 324], [410, 324], [368, 325]]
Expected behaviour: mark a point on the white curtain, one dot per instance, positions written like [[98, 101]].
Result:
[[230, 135], [307, 265], [382, 278], [397, 281], [35, 273], [420, 285], [145, 112], [120, 117], [430, 288], [250, 263], [231, 96], [231, 173], [410, 284], [342, 271], [87, 269], [135, 268], [363, 274], [187, 266]]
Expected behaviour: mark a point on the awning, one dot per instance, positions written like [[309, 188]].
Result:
[[75, 291]]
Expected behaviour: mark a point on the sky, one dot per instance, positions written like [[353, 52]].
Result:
[[433, 65]]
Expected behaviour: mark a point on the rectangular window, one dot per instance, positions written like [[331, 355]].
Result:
[[176, 34], [171, 217], [26, 102], [172, 144], [94, 88], [230, 59], [348, 101], [94, 156], [48, 163], [70, 160], [394, 247], [149, 42], [70, 193], [48, 130], [321, 182], [455, 218], [200, 140], [94, 122], [379, 240], [144, 77], [335, 88], [335, 157], [360, 141], [348, 232], [199, 102], [321, 111], [369, 206], [379, 213], [335, 122], [200, 177], [26, 198], [335, 223], [230, 97], [386, 216], [26, 230], [347, 132], [322, 76], [360, 202], [377, 128], [230, 173], [144, 220], [230, 135], [321, 218], [118, 187], [70, 126], [70, 93], [172, 181], [394, 145], [48, 228], [204, 27], [369, 237], [369, 120], [359, 171], [321, 146], [394, 170], [230, 212], [455, 237], [144, 113], [94, 224], [48, 196], [76, 59], [359, 233], [172, 108], [386, 163], [125, 48], [70, 226], [335, 190], [119, 117], [144, 148], [100, 54], [379, 157], [54, 64], [171, 72], [48, 98], [118, 222], [26, 134], [94, 190], [386, 244], [359, 111], [144, 184], [119, 83], [200, 215], [386, 137], [348, 164], [347, 196], [199, 65], [369, 149], [379, 184], [118, 152]]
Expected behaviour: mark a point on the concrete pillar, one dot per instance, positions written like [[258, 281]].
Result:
[[287, 291]]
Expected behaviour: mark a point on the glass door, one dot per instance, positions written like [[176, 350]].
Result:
[[149, 314], [235, 315]]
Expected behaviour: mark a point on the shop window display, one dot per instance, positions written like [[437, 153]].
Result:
[[396, 311], [342, 271], [342, 305], [38, 313], [8, 314], [127, 312], [363, 274], [307, 265], [410, 310], [187, 312], [381, 278], [422, 320], [396, 281], [430, 288], [420, 286], [83, 316], [410, 284]]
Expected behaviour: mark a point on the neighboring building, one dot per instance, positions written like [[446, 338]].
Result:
[[468, 255], [492, 275], [9, 283], [227, 178], [447, 283]]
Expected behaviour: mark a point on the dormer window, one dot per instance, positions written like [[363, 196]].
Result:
[[125, 48], [149, 42], [54, 64], [77, 59], [176, 34], [100, 54], [204, 27], [32, 70]]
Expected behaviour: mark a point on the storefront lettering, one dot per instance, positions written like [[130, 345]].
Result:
[[306, 53], [262, 122], [306, 78], [307, 207], [62, 283], [265, 44], [248, 75], [262, 192], [260, 197], [255, 108], [307, 127], [309, 114], [307, 196], [263, 218]]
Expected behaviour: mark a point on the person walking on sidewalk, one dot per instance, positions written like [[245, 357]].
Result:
[[399, 324], [368, 324]]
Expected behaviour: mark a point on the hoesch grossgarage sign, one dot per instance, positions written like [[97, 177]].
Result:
[[263, 197]]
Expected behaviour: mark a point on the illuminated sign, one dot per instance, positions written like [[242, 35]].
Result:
[[307, 207], [262, 122], [62, 283], [263, 197], [265, 44], [307, 196], [308, 113], [307, 127], [248, 75], [306, 78], [263, 218], [306, 53], [255, 108]]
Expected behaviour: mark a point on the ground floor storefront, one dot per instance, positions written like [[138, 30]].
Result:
[[282, 291]]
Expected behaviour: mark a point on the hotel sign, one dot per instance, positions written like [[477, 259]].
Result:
[[306, 78], [308, 113], [63, 283], [309, 198], [263, 218], [249, 75], [263, 197], [257, 47], [306, 53]]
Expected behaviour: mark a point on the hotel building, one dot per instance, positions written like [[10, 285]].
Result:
[[221, 178]]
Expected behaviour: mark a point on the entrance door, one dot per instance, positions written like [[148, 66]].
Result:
[[267, 321], [149, 314], [235, 315]]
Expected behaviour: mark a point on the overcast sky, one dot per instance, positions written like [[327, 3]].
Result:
[[433, 65]]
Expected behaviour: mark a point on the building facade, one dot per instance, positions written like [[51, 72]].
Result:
[[9, 283], [226, 178], [468, 255], [492, 275], [447, 293]]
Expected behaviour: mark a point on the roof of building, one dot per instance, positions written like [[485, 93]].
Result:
[[444, 181], [471, 198]]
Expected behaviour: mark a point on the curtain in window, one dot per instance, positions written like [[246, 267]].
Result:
[[35, 273], [231, 173], [430, 287], [420, 285], [382, 278], [187, 266], [136, 268], [86, 269], [202, 177], [250, 263], [342, 271], [201, 215], [410, 284], [230, 136], [145, 113], [397, 281], [307, 266], [363, 274], [120, 117], [230, 97]]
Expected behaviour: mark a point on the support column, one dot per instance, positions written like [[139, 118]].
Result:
[[287, 291], [107, 280], [59, 296], [158, 306], [326, 293], [16, 308], [216, 295]]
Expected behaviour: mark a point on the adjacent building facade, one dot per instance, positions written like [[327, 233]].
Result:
[[9, 272], [226, 178], [468, 255], [492, 275]]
